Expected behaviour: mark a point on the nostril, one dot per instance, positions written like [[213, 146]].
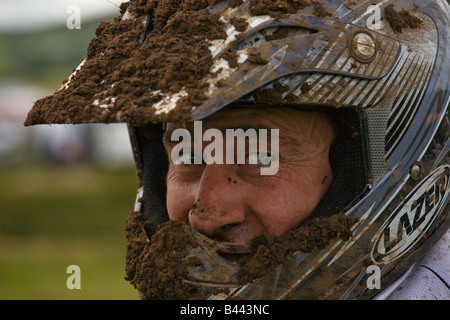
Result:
[[225, 233], [215, 212], [225, 228]]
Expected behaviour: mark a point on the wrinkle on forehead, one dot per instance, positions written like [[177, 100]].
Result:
[[294, 125]]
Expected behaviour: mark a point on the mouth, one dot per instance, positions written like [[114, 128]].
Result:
[[212, 262]]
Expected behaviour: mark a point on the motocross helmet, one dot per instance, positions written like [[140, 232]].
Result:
[[378, 68]]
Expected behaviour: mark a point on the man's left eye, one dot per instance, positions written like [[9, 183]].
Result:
[[190, 158], [260, 158]]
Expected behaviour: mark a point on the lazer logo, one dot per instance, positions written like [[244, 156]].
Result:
[[410, 221]]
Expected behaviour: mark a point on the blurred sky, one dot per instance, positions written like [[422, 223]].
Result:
[[37, 52], [65, 190], [37, 15]]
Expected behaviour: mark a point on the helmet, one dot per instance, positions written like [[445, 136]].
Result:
[[377, 68]]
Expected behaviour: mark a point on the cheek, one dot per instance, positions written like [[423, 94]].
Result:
[[284, 204], [281, 209], [179, 200]]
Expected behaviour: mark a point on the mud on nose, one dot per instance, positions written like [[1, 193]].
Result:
[[215, 214]]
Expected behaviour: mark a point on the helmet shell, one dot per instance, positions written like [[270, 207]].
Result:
[[333, 54]]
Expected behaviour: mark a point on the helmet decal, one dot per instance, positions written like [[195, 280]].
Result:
[[412, 219]]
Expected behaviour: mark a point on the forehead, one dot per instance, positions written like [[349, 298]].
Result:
[[295, 127], [286, 120]]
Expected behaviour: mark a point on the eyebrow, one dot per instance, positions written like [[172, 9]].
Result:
[[284, 140]]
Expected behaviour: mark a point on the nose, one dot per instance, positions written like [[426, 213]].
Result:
[[219, 205]]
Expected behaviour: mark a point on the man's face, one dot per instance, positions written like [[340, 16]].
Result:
[[234, 203]]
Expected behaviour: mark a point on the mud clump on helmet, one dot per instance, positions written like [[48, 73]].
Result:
[[317, 232], [154, 62], [401, 19], [123, 74], [279, 7], [156, 267]]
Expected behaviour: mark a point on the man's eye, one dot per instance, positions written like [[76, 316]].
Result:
[[189, 158], [260, 158]]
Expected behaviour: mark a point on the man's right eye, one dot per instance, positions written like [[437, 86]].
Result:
[[189, 158], [260, 158]]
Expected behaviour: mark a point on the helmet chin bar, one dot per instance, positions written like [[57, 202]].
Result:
[[207, 262], [337, 271], [403, 113]]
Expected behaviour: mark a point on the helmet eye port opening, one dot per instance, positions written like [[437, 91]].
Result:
[[349, 162]]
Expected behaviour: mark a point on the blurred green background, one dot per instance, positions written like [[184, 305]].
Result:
[[65, 191], [64, 198]]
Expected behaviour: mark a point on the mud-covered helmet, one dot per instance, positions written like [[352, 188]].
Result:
[[379, 68]]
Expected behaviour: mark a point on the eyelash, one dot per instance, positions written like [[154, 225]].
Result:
[[254, 158], [191, 159], [264, 156]]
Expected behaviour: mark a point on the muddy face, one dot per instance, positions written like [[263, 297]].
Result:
[[234, 203]]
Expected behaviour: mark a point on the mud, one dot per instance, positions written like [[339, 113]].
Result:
[[135, 62], [157, 268], [129, 67], [127, 77], [279, 8], [271, 96], [401, 19], [317, 232]]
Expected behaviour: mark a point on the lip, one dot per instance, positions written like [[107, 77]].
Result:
[[239, 235], [233, 243]]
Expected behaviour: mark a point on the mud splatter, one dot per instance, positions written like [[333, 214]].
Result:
[[401, 19], [157, 268]]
